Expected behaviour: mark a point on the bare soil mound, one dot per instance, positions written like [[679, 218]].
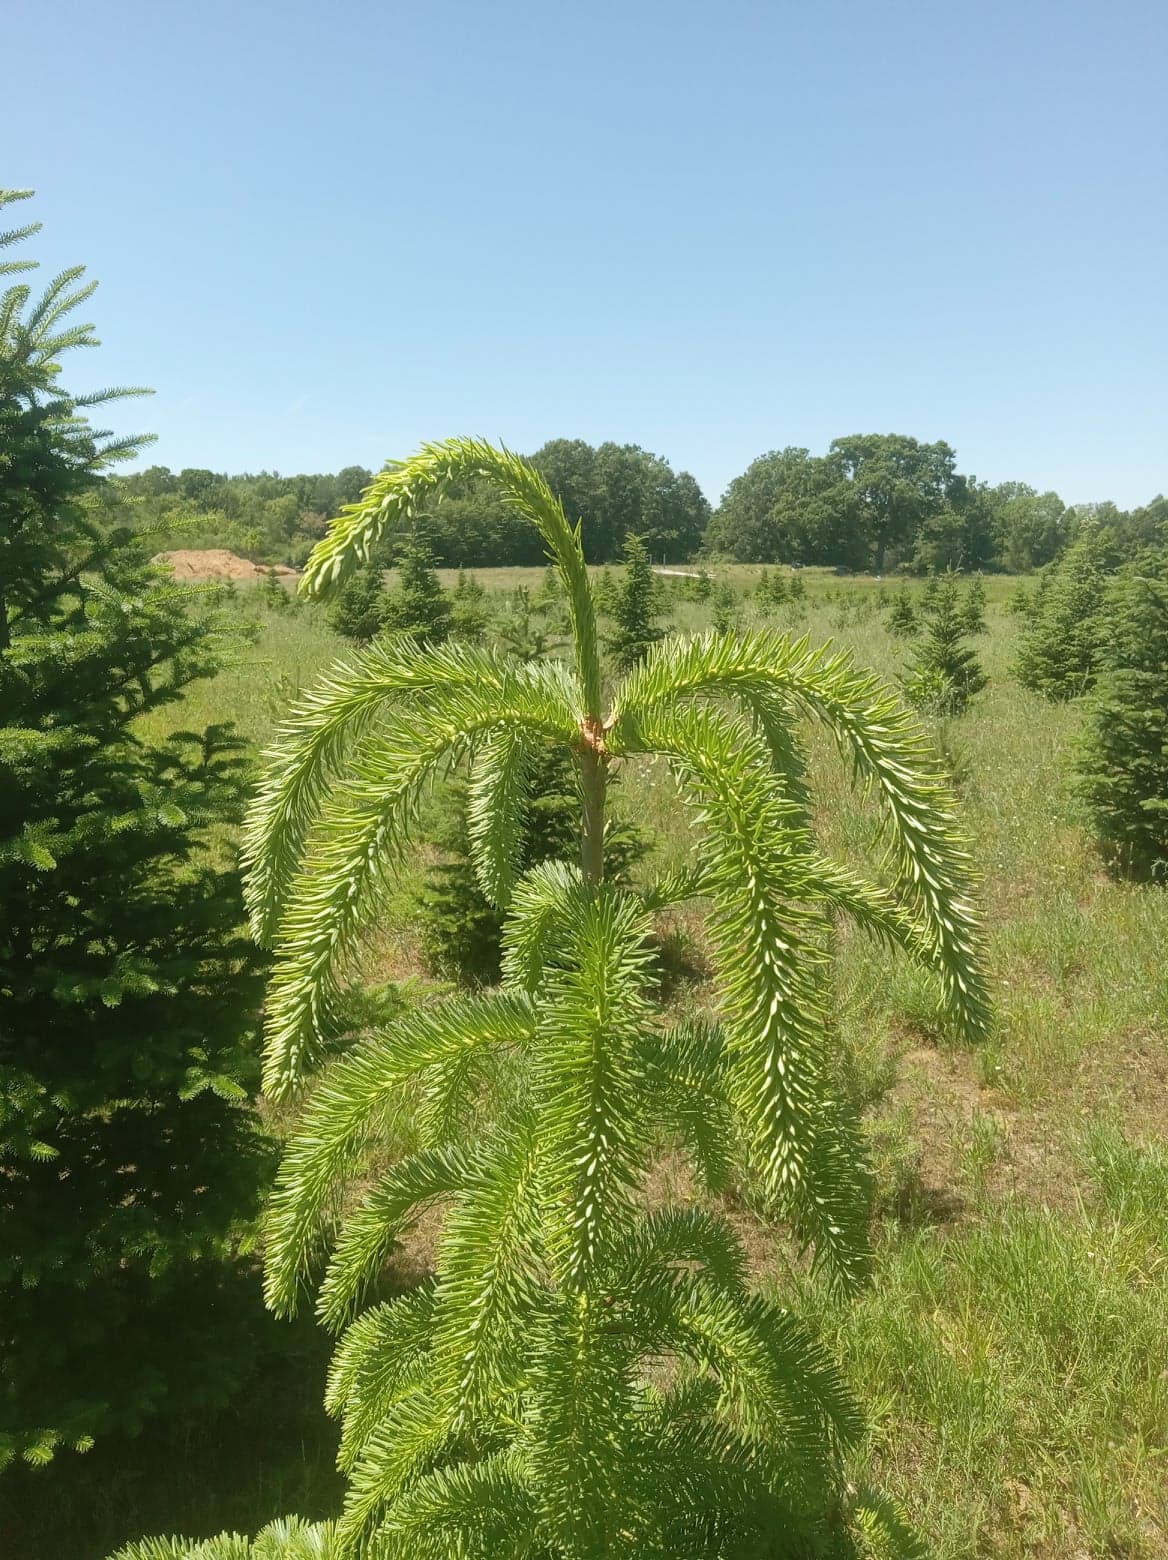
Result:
[[215, 563]]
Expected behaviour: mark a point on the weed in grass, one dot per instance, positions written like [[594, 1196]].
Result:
[[1130, 1180], [984, 1143]]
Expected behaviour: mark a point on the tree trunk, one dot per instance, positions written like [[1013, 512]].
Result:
[[592, 783]]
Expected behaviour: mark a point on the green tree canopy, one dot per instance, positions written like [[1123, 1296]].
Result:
[[1030, 528], [129, 1159], [862, 505], [775, 512], [889, 485]]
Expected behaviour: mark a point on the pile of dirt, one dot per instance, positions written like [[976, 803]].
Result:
[[216, 563]]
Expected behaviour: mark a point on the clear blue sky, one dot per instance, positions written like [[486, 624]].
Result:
[[325, 232]]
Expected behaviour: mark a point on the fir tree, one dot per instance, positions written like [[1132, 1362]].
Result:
[[725, 618], [524, 630], [1122, 761], [796, 589], [1021, 602], [770, 591], [902, 616], [634, 609], [419, 606], [273, 593], [700, 588], [605, 591], [946, 672], [469, 617], [359, 610], [130, 1161], [583, 1377], [549, 598], [1057, 653], [974, 609]]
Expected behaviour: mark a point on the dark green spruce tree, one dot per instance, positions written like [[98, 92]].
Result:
[[634, 608], [946, 673], [1057, 651], [902, 615], [1123, 756], [130, 1160], [419, 606], [360, 606]]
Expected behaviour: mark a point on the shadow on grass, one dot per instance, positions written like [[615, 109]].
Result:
[[917, 1205], [270, 1452]]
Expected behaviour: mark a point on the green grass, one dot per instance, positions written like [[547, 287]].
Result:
[[1011, 1348], [1014, 1371]]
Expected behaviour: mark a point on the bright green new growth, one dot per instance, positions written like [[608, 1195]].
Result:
[[286, 1539], [581, 1377]]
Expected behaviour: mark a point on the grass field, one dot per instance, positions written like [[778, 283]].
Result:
[[1011, 1350]]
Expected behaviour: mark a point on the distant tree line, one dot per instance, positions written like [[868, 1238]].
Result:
[[270, 518], [879, 503], [618, 490]]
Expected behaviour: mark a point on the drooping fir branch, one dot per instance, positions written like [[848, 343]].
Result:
[[392, 501]]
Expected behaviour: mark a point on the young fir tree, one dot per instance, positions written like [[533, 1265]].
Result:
[[469, 617], [273, 593], [776, 592], [549, 598], [1021, 602], [525, 630], [770, 591], [974, 608], [1057, 653], [725, 618], [634, 609], [1122, 761], [700, 588], [902, 615], [418, 606], [605, 591], [130, 1161], [583, 1376], [946, 673], [360, 605]]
